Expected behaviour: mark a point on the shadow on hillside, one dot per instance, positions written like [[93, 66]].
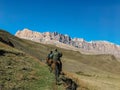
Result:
[[3, 52], [69, 84], [8, 42]]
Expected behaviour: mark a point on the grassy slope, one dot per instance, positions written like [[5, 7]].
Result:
[[88, 67], [19, 71]]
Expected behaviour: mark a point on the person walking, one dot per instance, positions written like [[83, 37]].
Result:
[[56, 58], [50, 55]]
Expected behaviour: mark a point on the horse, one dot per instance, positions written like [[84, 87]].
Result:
[[54, 67]]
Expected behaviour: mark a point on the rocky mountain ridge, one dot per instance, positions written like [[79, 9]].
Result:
[[65, 41]]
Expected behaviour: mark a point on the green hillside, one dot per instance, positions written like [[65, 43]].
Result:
[[20, 71], [96, 71], [40, 51]]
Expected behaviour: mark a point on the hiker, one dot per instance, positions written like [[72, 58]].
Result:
[[49, 60], [50, 55], [56, 58], [60, 64]]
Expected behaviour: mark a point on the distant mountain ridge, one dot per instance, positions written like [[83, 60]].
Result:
[[65, 41]]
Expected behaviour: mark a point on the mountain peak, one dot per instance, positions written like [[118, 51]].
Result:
[[65, 41]]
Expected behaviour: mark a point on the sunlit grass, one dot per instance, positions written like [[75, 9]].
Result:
[[23, 72]]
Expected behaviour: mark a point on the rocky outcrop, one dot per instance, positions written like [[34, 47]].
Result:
[[65, 41], [46, 37]]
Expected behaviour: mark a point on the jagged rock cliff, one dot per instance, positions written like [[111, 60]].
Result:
[[65, 41]]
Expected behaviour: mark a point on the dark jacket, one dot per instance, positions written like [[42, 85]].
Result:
[[50, 56]]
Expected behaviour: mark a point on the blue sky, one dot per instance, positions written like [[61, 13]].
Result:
[[88, 19]]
